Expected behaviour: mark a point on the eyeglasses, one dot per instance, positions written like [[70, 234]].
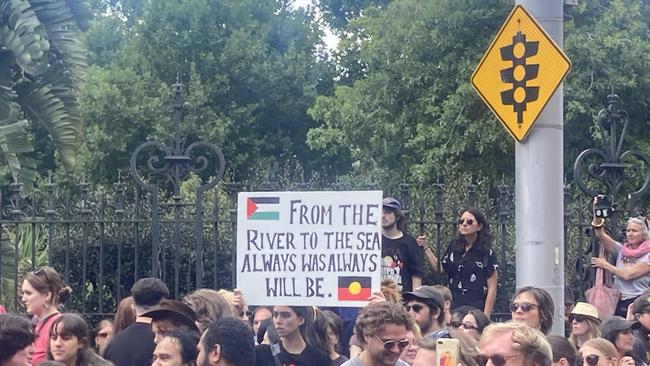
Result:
[[497, 359], [455, 324], [525, 306], [465, 221], [591, 360], [102, 335], [416, 307], [468, 326], [389, 345]]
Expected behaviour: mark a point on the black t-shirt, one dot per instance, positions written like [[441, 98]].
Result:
[[310, 356], [133, 346], [468, 273], [402, 258]]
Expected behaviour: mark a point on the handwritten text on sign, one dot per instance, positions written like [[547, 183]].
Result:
[[309, 248]]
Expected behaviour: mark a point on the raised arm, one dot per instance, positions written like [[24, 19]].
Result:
[[431, 258], [602, 236]]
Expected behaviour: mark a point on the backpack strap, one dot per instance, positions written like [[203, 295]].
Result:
[[275, 351]]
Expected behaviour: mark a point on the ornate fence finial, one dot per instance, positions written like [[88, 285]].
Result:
[[608, 165], [173, 164]]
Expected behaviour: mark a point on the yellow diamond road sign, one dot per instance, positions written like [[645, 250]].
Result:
[[520, 72]]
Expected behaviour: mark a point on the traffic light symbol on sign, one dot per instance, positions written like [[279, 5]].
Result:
[[519, 74]]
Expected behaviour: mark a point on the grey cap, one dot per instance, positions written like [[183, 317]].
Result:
[[425, 293], [391, 202], [617, 324]]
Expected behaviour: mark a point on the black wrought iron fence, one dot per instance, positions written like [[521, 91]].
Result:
[[101, 240]]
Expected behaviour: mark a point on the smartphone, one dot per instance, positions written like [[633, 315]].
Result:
[[447, 352]]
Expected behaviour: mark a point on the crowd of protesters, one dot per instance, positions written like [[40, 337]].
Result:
[[406, 324]]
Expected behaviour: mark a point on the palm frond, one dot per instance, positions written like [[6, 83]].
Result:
[[57, 109], [62, 21], [22, 34], [16, 146], [42, 66]]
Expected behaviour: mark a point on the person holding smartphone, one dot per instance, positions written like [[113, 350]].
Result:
[[632, 269]]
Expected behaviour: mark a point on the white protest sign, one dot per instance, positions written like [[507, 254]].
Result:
[[309, 248]]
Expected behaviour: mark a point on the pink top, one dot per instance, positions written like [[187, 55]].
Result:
[[40, 344]]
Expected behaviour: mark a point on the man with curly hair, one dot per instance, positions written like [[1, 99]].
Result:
[[382, 328]]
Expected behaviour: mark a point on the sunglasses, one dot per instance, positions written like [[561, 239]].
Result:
[[41, 271], [591, 360], [468, 326], [416, 307], [463, 221], [497, 359], [389, 345], [455, 324], [577, 318], [525, 307]]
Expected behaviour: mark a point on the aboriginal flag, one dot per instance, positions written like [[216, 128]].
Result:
[[354, 288]]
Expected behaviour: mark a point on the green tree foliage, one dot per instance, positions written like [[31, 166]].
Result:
[[404, 107], [413, 111], [608, 43], [252, 68], [338, 13], [42, 65]]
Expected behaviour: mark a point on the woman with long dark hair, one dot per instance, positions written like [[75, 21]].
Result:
[[69, 343], [290, 322], [621, 333], [470, 263], [43, 292], [474, 322]]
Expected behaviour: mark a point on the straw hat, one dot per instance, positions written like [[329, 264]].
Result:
[[586, 309]]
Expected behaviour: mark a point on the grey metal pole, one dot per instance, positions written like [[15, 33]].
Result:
[[539, 185]]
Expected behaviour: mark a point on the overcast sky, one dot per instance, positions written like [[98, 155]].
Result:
[[330, 39]]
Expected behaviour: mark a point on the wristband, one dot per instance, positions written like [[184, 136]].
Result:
[[597, 224]]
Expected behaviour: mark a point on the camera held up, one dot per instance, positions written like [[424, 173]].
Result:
[[603, 206]]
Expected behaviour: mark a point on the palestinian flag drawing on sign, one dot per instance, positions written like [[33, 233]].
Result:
[[354, 288], [263, 208]]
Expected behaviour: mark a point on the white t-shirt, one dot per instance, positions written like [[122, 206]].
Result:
[[632, 288]]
